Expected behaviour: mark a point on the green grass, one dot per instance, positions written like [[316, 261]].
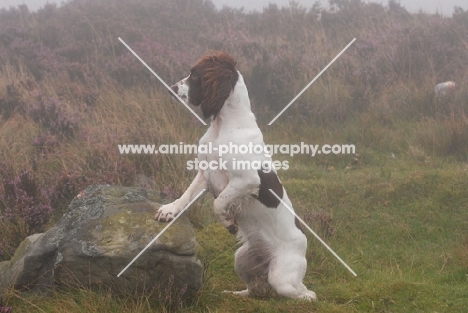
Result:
[[401, 225]]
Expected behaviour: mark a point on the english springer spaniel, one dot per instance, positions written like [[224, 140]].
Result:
[[272, 255]]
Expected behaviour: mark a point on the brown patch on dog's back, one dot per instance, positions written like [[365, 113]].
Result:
[[269, 181]]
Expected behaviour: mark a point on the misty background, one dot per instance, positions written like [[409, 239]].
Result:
[[444, 7]]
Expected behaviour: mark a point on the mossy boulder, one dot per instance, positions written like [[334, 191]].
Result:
[[104, 229]]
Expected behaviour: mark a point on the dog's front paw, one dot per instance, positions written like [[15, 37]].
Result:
[[167, 212]]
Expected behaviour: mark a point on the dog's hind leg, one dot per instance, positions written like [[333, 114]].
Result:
[[287, 270], [242, 293], [251, 265], [240, 263]]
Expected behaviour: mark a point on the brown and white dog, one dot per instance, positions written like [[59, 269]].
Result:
[[272, 255]]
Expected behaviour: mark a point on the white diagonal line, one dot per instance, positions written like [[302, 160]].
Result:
[[162, 231], [313, 233], [162, 81], [313, 80]]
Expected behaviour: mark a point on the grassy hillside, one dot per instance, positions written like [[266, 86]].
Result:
[[397, 211]]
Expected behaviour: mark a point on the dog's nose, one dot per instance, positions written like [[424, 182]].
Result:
[[174, 88]]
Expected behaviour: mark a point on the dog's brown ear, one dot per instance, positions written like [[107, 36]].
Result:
[[219, 78]]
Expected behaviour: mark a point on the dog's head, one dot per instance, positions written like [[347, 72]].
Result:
[[210, 82]]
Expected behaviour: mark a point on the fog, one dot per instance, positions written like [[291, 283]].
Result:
[[444, 7]]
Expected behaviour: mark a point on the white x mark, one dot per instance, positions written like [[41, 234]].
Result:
[[313, 80], [162, 231], [313, 233], [162, 81]]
